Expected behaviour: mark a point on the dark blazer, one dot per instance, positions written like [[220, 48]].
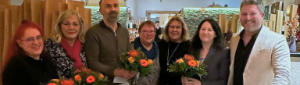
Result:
[[217, 61]]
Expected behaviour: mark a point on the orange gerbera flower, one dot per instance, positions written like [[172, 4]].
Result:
[[188, 57], [179, 60], [150, 61], [144, 62], [51, 84], [130, 59], [101, 76], [133, 53], [192, 63], [77, 77], [67, 82], [90, 79]]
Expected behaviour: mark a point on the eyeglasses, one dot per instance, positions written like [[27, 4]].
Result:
[[32, 39], [147, 31]]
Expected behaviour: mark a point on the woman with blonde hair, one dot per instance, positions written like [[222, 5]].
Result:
[[175, 44], [65, 45]]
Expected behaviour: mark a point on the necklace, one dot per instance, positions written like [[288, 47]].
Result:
[[169, 57]]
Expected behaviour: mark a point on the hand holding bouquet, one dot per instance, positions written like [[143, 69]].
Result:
[[189, 67], [135, 60]]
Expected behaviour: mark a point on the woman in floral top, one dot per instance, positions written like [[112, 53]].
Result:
[[65, 45]]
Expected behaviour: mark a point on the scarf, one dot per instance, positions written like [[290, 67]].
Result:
[[73, 51]]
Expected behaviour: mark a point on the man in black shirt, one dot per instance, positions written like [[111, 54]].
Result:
[[258, 55]]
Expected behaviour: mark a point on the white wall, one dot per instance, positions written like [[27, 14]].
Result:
[[141, 6]]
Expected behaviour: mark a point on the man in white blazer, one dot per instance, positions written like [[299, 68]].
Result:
[[258, 55]]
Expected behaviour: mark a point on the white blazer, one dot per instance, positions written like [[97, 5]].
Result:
[[269, 61]]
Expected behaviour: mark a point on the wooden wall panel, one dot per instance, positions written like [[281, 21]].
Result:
[[235, 19], [6, 31], [222, 22], [4, 2], [1, 42], [279, 21], [272, 23], [87, 18], [36, 11], [52, 7], [27, 9], [16, 19]]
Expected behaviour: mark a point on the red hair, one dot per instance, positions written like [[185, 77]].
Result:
[[14, 48]]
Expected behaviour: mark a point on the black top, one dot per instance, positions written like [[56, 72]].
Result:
[[241, 57], [24, 70], [176, 51]]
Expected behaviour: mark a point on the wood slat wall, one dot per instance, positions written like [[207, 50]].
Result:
[[42, 12]]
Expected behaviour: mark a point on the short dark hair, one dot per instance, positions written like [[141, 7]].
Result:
[[150, 23], [218, 40]]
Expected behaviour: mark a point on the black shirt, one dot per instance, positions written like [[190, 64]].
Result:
[[24, 70], [168, 54], [241, 57]]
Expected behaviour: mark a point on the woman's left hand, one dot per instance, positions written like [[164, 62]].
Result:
[[190, 81]]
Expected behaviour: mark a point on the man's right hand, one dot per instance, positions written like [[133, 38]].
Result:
[[124, 73]]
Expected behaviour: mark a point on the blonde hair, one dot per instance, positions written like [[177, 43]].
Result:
[[57, 32], [184, 37]]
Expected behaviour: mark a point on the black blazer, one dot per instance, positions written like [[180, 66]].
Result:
[[217, 61]]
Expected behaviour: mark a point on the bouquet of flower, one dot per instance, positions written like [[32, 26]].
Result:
[[135, 60], [81, 77], [189, 67]]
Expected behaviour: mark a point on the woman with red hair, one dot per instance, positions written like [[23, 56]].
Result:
[[24, 63]]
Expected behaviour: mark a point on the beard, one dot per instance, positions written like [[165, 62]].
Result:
[[113, 16]]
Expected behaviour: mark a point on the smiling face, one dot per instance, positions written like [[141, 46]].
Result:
[[31, 42], [207, 33], [70, 27], [251, 18], [147, 34], [175, 30]]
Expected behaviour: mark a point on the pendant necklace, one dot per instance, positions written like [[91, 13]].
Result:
[[169, 57]]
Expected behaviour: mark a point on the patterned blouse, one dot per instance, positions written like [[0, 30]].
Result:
[[63, 62]]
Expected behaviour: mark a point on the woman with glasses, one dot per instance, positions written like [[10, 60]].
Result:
[[146, 43], [25, 65], [65, 45]]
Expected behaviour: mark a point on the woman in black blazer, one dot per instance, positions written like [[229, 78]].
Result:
[[208, 46]]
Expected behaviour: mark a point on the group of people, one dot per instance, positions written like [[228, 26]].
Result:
[[256, 56]]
